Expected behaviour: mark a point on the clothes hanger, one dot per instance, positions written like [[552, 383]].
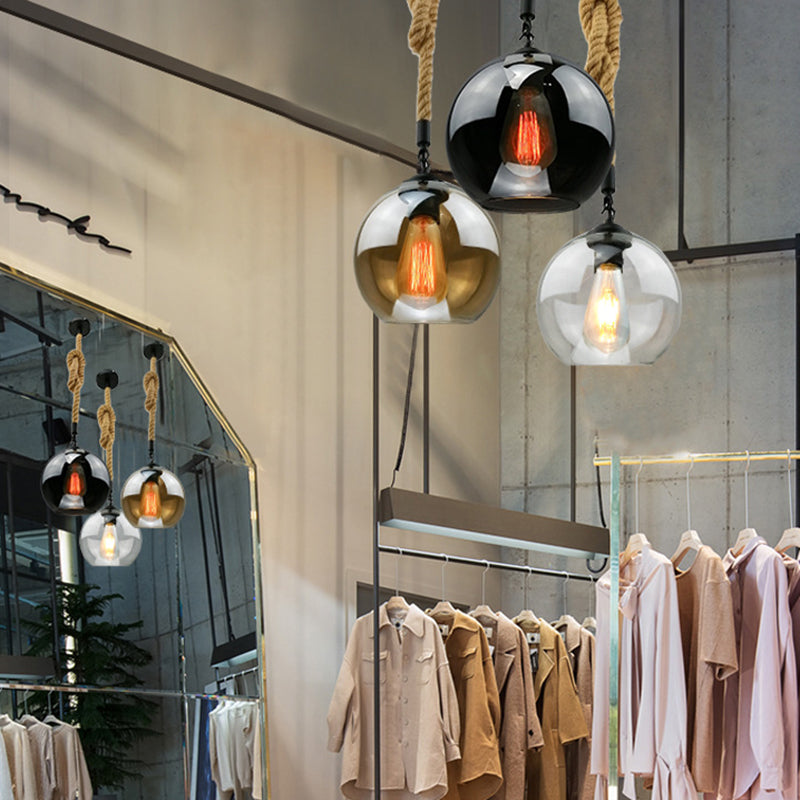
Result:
[[397, 605], [565, 618], [443, 611], [636, 541], [690, 539], [526, 615], [483, 613], [791, 536], [747, 533]]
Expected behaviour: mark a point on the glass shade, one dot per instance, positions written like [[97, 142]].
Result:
[[109, 540], [75, 482], [530, 132], [153, 498], [587, 317], [427, 253]]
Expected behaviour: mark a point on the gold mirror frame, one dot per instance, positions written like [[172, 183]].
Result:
[[212, 404]]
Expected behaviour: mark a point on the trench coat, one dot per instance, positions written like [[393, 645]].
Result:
[[520, 730], [420, 727], [477, 775], [560, 714]]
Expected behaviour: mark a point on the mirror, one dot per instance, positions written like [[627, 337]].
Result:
[[191, 601]]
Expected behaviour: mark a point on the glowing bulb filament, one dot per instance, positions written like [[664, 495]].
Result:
[[108, 542], [527, 143], [528, 137], [75, 483], [606, 325], [151, 500], [421, 276]]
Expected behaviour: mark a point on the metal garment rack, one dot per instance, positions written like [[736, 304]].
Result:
[[486, 564], [700, 458], [70, 688]]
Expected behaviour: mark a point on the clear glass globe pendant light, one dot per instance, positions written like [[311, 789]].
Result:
[[107, 539], [75, 482], [530, 131], [609, 296], [153, 497], [426, 252]]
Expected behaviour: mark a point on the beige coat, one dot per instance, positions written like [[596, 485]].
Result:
[[478, 774], [652, 690], [520, 730], [760, 715], [709, 656], [419, 714], [580, 647], [560, 714]]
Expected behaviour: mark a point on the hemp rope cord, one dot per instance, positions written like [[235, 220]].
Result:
[[601, 21], [106, 419], [151, 400], [76, 364], [422, 42]]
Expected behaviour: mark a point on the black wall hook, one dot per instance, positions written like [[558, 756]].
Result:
[[107, 379], [80, 326], [153, 350]]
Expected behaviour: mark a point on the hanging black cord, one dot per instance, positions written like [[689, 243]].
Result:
[[602, 513], [412, 359]]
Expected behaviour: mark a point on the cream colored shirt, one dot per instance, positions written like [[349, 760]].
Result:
[[420, 726], [652, 691], [40, 737], [72, 776], [20, 761], [231, 733]]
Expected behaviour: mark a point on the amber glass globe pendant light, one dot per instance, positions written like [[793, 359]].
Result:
[[608, 297], [107, 539], [153, 497], [75, 482], [530, 131], [425, 252]]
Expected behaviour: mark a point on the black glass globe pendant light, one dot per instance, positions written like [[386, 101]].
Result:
[[75, 482], [530, 131]]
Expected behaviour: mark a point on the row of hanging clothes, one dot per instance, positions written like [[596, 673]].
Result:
[[229, 765], [42, 760], [709, 667], [473, 705]]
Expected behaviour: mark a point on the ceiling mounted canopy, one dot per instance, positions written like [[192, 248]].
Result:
[[426, 252], [530, 131]]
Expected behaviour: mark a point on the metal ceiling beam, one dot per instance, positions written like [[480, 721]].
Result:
[[155, 59]]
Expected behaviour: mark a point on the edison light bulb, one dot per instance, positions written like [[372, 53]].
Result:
[[606, 325], [151, 500], [74, 489], [421, 277], [108, 542], [528, 136]]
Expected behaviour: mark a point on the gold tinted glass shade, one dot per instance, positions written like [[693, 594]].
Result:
[[109, 540], [153, 498], [75, 483], [411, 267]]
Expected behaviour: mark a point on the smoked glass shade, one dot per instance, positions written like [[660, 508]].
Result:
[[427, 253], [109, 540], [75, 482], [530, 132], [153, 498], [587, 317]]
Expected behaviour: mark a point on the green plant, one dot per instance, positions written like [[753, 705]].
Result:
[[96, 652]]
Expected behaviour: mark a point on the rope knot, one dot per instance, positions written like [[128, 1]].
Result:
[[150, 383], [76, 364], [106, 419], [422, 41]]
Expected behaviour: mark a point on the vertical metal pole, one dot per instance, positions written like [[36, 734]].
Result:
[[573, 436], [426, 409], [613, 619], [12, 531], [797, 363], [203, 536], [681, 120], [6, 587], [376, 566]]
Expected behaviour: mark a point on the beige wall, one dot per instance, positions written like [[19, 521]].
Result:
[[242, 227]]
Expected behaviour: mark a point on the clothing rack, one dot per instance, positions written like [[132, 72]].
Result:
[[699, 458], [482, 562], [80, 689]]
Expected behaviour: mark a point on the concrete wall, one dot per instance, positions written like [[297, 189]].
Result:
[[727, 381], [242, 227]]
